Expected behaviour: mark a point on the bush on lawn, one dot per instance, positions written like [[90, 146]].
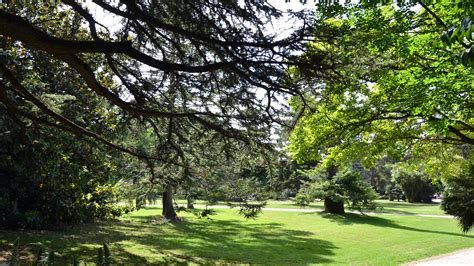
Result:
[[415, 187], [53, 180], [394, 192], [459, 198]]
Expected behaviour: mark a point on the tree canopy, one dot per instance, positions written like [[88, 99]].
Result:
[[405, 90], [203, 65], [400, 87], [188, 80]]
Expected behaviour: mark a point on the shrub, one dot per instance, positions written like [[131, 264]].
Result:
[[304, 197], [394, 192], [53, 182], [459, 198], [415, 187]]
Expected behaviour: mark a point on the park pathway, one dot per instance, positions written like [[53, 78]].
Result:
[[458, 258], [320, 210]]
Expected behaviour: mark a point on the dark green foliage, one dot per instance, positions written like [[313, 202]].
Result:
[[394, 192], [52, 180], [378, 175], [287, 178], [459, 198], [204, 213], [415, 187], [249, 195], [251, 211], [179, 208], [172, 102], [359, 194]]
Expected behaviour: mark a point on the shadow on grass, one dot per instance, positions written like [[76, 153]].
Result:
[[383, 210], [195, 241], [81, 242], [386, 209], [353, 218], [238, 241]]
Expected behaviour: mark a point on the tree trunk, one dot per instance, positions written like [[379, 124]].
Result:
[[139, 202], [168, 209], [332, 206], [189, 204]]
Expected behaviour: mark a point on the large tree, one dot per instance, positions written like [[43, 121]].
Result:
[[400, 87], [402, 91], [184, 69]]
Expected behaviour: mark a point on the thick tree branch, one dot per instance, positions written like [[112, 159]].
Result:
[[463, 137], [88, 76], [17, 28], [436, 17]]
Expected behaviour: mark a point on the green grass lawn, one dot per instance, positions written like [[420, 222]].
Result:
[[274, 237]]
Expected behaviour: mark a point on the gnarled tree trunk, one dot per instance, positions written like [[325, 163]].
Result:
[[167, 201]]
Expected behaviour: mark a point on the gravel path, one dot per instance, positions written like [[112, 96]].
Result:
[[458, 258]]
